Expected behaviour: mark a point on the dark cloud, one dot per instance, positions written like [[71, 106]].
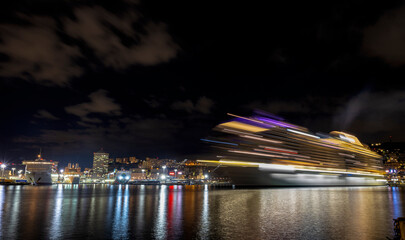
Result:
[[36, 53], [202, 105], [45, 115], [386, 38], [97, 28], [48, 53], [372, 112], [99, 103]]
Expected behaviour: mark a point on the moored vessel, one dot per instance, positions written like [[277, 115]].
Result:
[[38, 171]]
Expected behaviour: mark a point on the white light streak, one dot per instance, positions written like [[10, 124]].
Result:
[[260, 139], [302, 133], [346, 138], [253, 153]]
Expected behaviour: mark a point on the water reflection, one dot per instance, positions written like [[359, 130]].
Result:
[[140, 213], [120, 223], [395, 197], [204, 228], [2, 204], [197, 212], [55, 230], [161, 223], [15, 211]]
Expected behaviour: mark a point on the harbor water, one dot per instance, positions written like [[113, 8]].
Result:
[[198, 212]]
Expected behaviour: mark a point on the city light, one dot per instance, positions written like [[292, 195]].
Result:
[[3, 166]]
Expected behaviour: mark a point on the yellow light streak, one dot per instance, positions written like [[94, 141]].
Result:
[[242, 126]]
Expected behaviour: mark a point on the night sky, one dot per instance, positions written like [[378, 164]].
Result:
[[151, 78]]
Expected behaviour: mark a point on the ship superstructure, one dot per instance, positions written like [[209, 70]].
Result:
[[265, 150]]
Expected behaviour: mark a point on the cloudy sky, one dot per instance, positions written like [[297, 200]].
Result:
[[150, 78]]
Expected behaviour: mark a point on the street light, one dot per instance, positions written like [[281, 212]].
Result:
[[164, 169], [3, 166], [175, 173], [13, 170]]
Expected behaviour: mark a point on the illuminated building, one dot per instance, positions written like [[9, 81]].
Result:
[[394, 159], [138, 173], [100, 163], [133, 160], [72, 168]]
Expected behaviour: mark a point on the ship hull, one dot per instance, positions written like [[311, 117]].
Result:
[[253, 176], [39, 178]]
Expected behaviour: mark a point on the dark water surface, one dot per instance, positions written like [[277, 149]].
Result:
[[197, 212]]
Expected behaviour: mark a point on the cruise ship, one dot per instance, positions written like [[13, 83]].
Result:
[[264, 150], [38, 171]]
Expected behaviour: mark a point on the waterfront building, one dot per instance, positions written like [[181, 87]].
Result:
[[393, 158], [138, 173], [133, 160], [100, 163], [72, 168], [149, 163]]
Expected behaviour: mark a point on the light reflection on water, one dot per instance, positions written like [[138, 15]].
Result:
[[161, 223], [197, 212], [2, 204], [55, 229], [204, 222]]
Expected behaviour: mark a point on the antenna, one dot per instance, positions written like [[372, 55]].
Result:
[[40, 153]]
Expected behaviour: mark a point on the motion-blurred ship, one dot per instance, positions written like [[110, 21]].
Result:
[[38, 171], [263, 150]]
